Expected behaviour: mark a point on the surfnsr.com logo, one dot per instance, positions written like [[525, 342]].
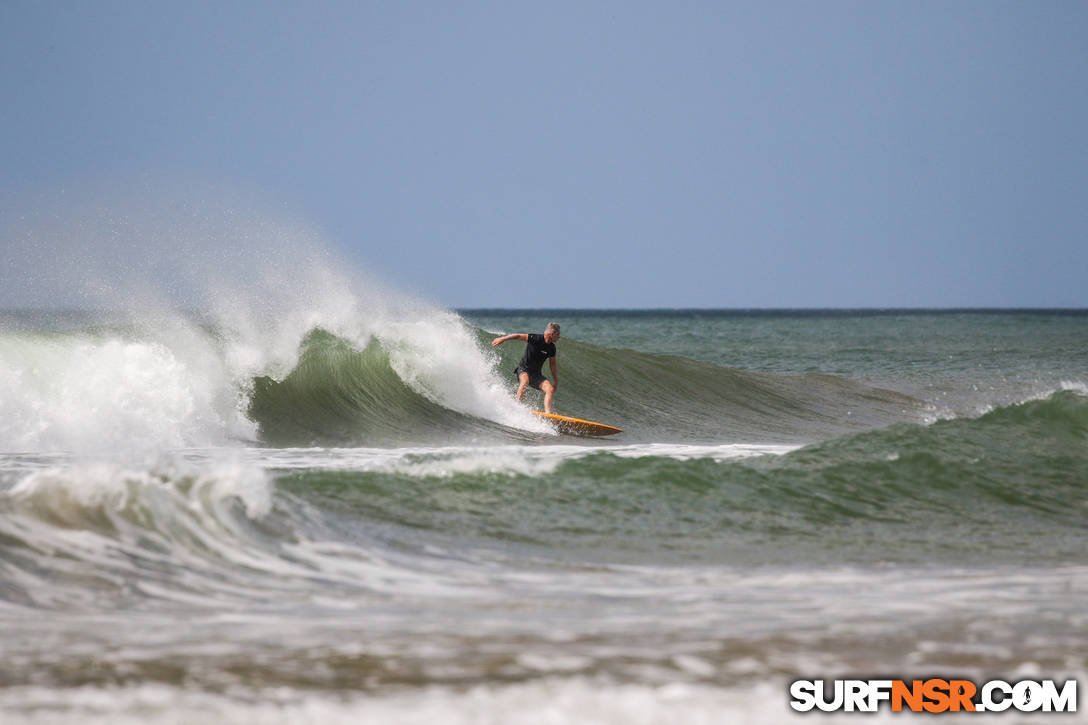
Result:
[[933, 695]]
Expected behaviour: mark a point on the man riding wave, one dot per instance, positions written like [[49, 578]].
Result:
[[538, 348]]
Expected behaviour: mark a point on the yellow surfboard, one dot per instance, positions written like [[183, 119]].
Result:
[[577, 426]]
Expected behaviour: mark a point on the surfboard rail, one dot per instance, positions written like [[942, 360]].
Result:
[[577, 426]]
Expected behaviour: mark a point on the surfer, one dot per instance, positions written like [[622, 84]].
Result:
[[538, 348]]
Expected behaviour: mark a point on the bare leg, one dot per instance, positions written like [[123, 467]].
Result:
[[523, 382], [549, 393]]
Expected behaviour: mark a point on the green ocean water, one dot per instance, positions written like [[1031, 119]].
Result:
[[356, 520]]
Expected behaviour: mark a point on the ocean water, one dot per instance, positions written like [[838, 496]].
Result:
[[335, 511]]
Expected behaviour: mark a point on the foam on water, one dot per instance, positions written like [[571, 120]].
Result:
[[513, 460], [114, 487], [94, 395], [543, 702], [438, 357], [1075, 386], [535, 703]]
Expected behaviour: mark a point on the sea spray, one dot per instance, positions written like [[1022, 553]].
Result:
[[201, 297]]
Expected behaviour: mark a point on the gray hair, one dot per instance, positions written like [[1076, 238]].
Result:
[[552, 327]]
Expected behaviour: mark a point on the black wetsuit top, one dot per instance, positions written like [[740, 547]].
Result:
[[536, 352]]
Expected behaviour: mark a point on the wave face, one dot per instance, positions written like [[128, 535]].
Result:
[[668, 398], [340, 395], [177, 383]]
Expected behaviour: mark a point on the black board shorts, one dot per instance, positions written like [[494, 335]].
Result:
[[535, 379]]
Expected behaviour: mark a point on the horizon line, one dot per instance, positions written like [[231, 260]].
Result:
[[500, 309], [770, 309]]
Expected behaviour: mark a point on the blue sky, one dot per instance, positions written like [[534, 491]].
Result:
[[587, 154]]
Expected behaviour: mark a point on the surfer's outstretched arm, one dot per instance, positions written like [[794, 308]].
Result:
[[524, 337]]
